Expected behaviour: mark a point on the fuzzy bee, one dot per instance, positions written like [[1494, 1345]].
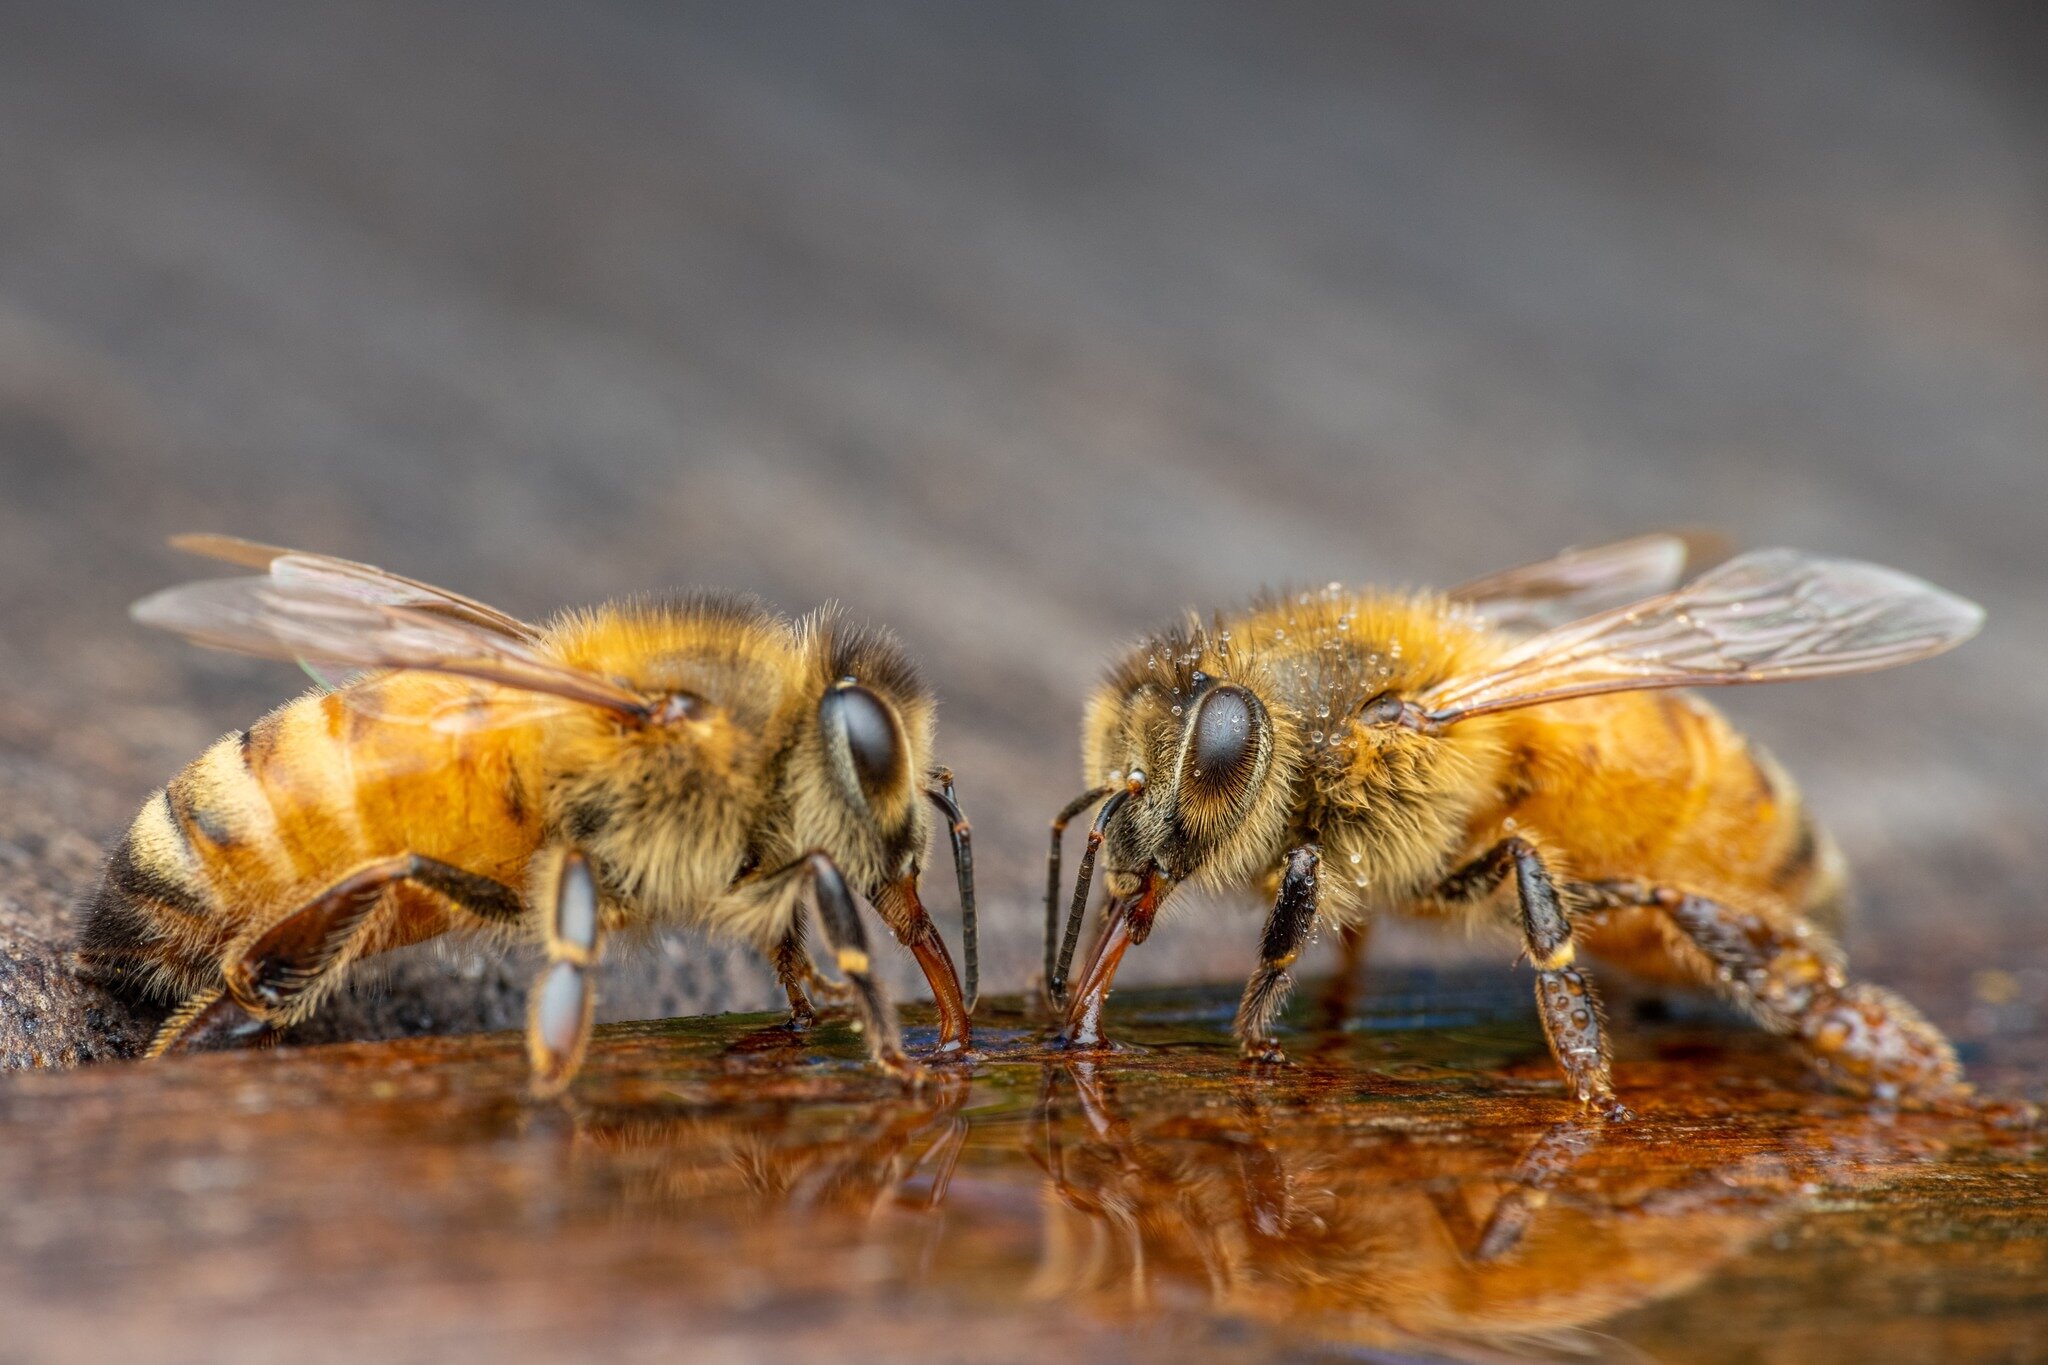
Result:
[[694, 761], [1512, 751]]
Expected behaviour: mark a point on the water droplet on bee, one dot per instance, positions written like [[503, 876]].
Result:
[[1315, 736], [1176, 709], [1357, 857]]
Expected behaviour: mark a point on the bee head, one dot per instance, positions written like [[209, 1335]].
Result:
[[855, 778], [1200, 756]]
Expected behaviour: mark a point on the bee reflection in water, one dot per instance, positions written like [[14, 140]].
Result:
[[1289, 1206], [1510, 1239]]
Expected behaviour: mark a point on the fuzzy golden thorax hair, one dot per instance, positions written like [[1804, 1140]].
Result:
[[796, 735], [1246, 729]]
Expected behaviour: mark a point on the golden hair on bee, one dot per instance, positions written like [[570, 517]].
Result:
[[1359, 753], [691, 760]]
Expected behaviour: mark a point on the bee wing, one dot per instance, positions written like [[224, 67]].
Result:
[[1572, 585], [347, 578], [1767, 616], [310, 620], [496, 710]]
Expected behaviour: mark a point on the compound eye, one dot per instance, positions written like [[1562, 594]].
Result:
[[862, 722], [1225, 739]]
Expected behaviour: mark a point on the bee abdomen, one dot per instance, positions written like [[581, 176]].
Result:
[[208, 842], [148, 927]]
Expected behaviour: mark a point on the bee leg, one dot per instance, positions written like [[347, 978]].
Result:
[[559, 1008], [209, 1019], [905, 915], [1342, 988], [841, 921], [792, 969], [1861, 1037], [1545, 1163], [283, 973], [1287, 930], [1566, 999]]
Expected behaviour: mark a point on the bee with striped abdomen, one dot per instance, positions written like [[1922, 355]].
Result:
[[694, 761], [1359, 753]]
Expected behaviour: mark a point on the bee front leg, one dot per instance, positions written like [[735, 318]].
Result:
[[1862, 1037], [564, 996], [1566, 998], [841, 921], [1287, 931]]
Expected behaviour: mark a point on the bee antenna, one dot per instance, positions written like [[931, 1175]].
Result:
[[1084, 882], [1052, 874]]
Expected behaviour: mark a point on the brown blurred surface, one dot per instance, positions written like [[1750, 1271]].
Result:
[[1019, 330]]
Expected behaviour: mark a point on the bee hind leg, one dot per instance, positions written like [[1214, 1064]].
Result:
[[1861, 1037], [1566, 999], [1287, 930], [210, 1019], [281, 975]]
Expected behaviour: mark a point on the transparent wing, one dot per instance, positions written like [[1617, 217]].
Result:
[[1578, 583], [1767, 616], [498, 709], [346, 578], [310, 620]]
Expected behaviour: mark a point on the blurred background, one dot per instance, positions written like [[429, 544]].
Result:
[[1021, 328]]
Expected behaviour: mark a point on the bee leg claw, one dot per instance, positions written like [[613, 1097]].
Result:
[[1262, 1052]]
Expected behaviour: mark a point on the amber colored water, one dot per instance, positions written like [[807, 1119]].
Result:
[[1412, 1188]]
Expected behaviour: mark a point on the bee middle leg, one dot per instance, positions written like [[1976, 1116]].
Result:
[[1860, 1036], [1287, 930], [1566, 999]]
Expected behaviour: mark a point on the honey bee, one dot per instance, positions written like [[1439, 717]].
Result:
[[694, 761], [1356, 753]]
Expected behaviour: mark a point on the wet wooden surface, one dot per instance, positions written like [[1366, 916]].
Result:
[[1413, 1188]]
